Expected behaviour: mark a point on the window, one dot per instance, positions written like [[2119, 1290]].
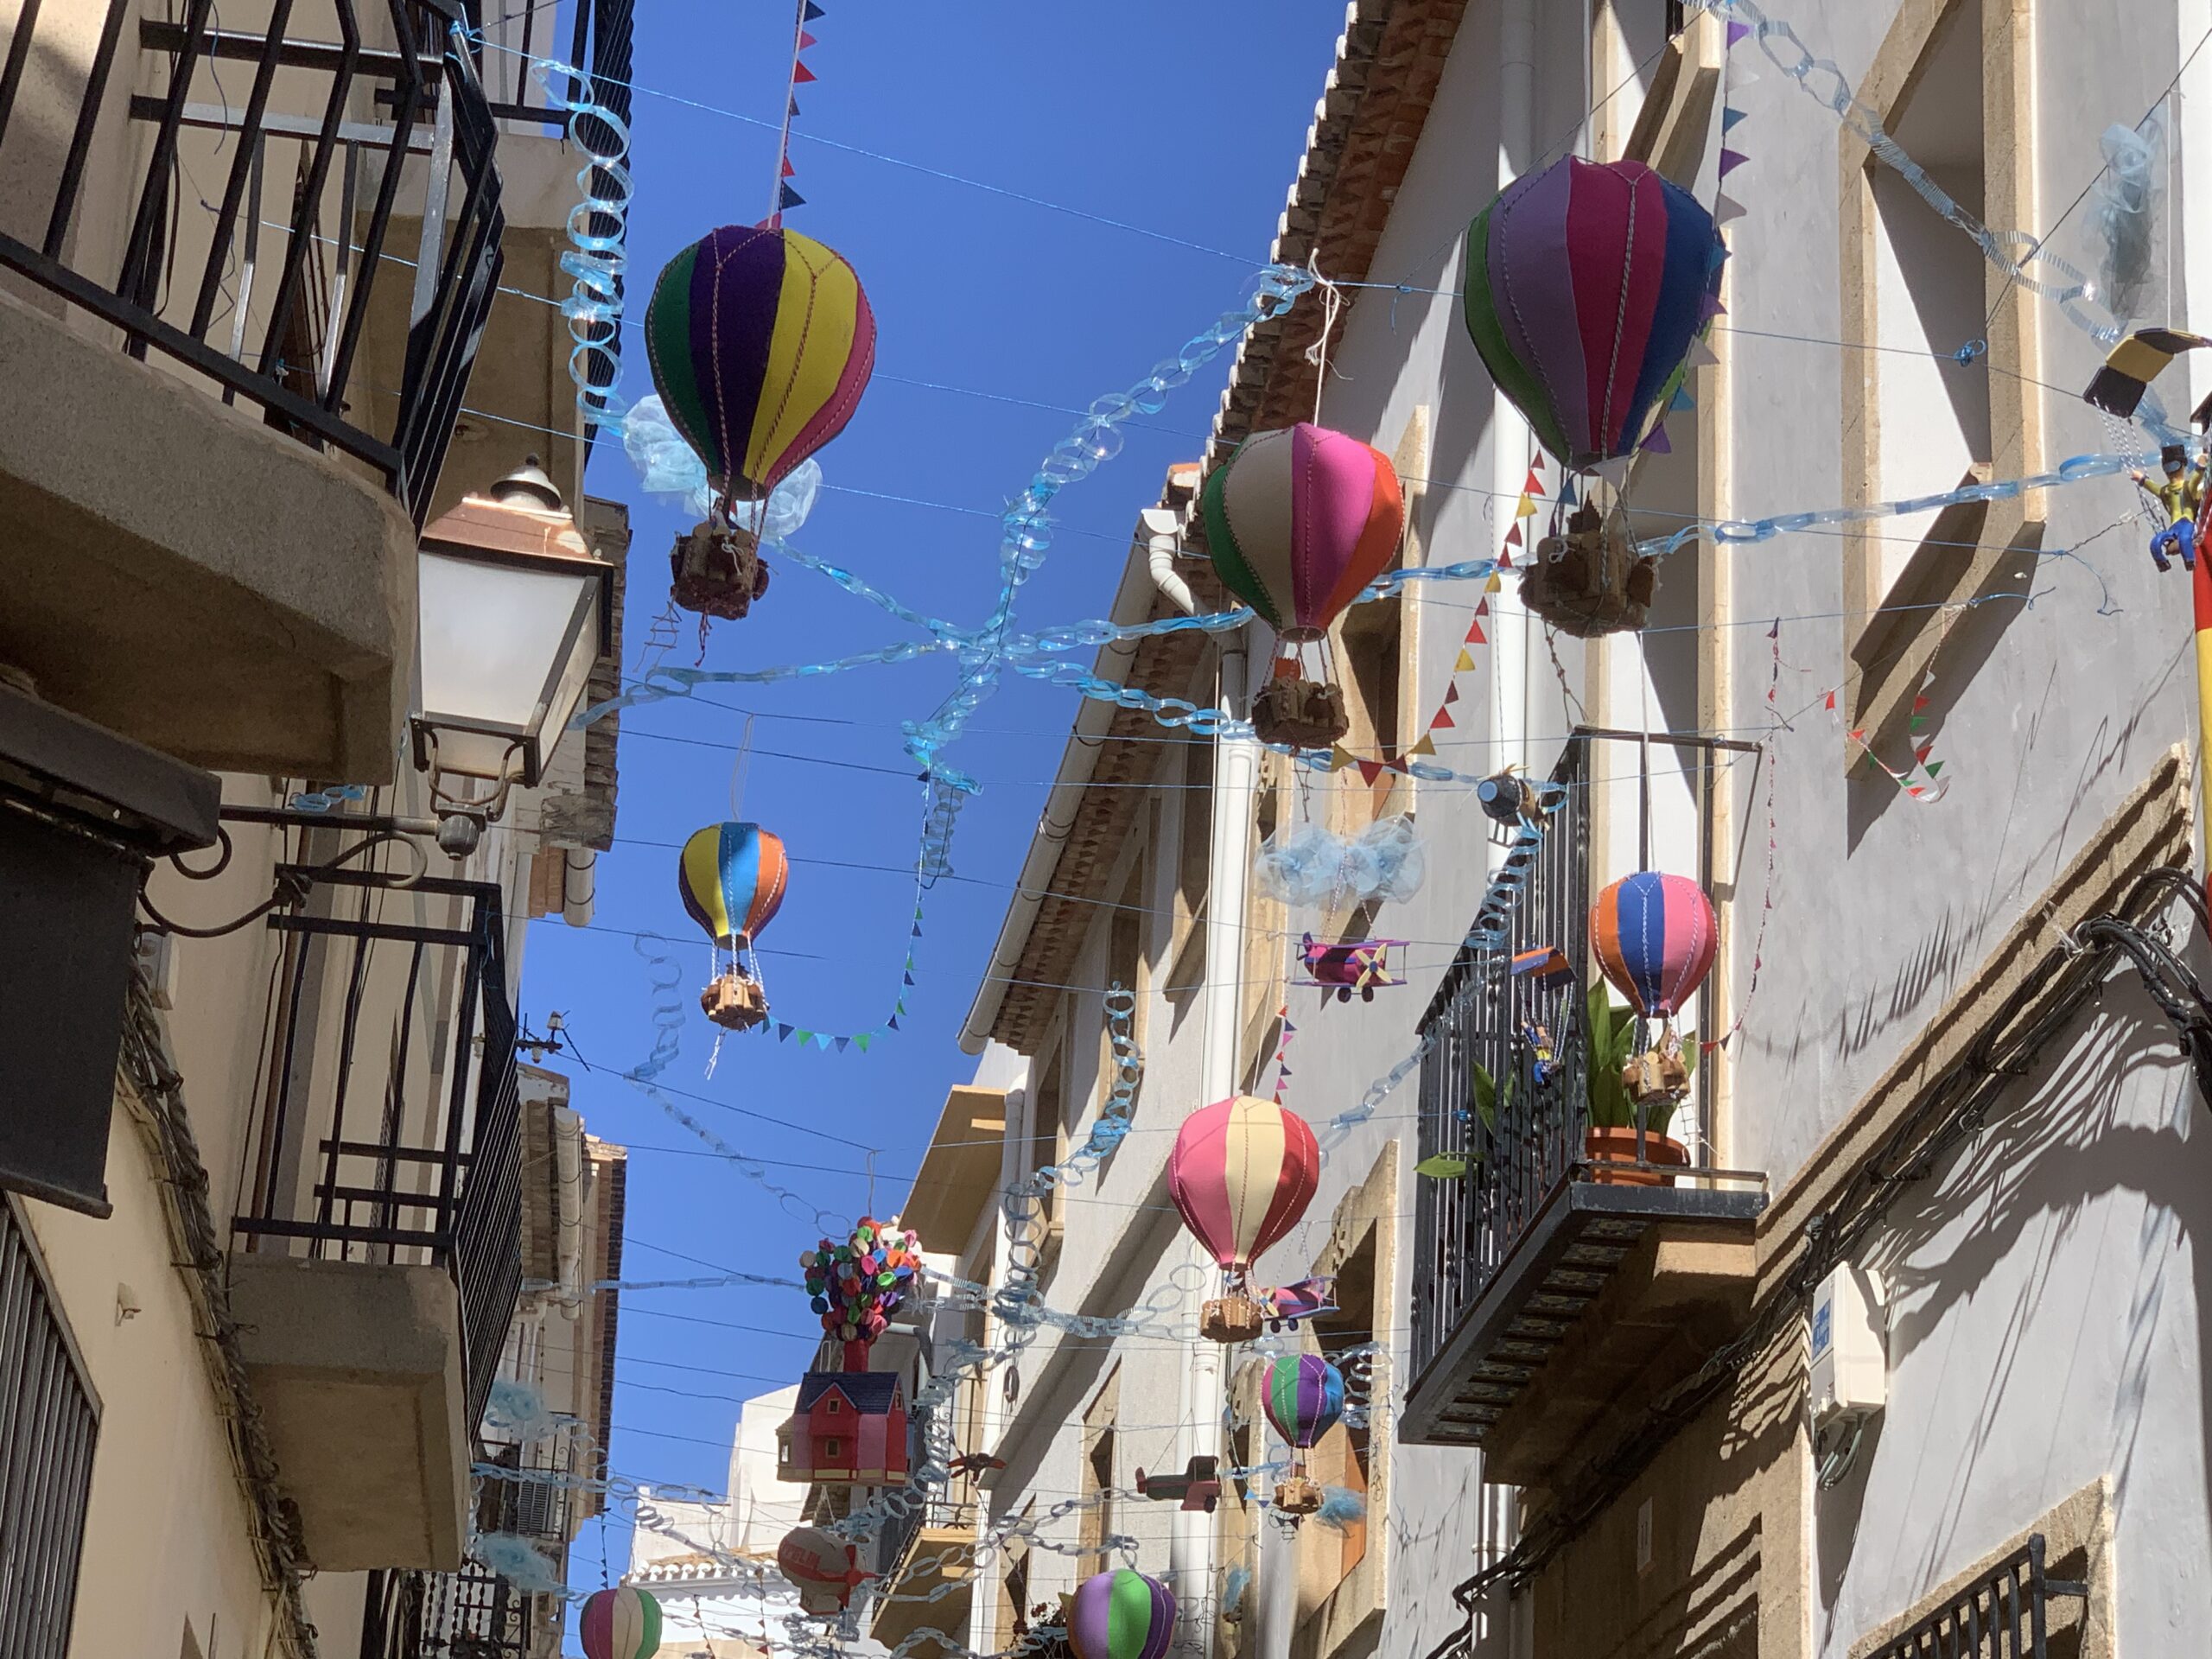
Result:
[[1127, 963], [1097, 1494], [47, 1410], [1954, 83], [1193, 866], [830, 1405], [833, 1448]]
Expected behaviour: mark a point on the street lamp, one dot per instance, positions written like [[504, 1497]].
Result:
[[515, 610]]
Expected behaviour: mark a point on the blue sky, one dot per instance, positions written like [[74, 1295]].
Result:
[[1186, 119]]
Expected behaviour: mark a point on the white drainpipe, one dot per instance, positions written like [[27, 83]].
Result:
[[1509, 709], [579, 885]]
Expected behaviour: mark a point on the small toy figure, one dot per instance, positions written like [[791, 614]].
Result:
[[1543, 1062], [2182, 495]]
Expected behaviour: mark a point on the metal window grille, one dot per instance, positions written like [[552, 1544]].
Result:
[[252, 256], [471, 1614], [49, 1420], [2003, 1615]]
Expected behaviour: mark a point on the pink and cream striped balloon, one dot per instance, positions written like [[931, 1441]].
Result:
[[1243, 1172], [1298, 521]]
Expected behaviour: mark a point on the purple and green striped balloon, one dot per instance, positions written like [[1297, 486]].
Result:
[[1305, 1398], [1122, 1615]]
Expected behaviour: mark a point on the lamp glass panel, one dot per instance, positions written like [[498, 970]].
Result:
[[491, 633]]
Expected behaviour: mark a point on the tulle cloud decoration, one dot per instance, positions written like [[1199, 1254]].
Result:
[[1308, 865], [516, 1409], [515, 1559], [670, 470]]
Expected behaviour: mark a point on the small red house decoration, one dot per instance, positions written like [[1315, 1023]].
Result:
[[850, 1426]]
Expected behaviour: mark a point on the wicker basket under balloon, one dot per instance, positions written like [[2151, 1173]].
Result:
[[1587, 580]]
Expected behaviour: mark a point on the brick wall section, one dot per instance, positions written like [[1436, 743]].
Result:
[[1365, 127]]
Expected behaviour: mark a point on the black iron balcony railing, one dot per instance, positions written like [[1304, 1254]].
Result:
[[533, 1500], [2003, 1615], [471, 1614], [1504, 1091], [274, 181], [392, 1132]]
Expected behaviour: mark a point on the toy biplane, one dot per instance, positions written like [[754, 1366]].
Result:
[[1362, 965], [1198, 1487], [1288, 1303]]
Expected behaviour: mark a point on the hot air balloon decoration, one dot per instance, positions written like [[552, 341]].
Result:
[[1122, 1615], [1655, 937], [732, 878], [1586, 286], [821, 1567], [1297, 522], [857, 1285], [1303, 1398], [1241, 1174], [761, 343], [622, 1623]]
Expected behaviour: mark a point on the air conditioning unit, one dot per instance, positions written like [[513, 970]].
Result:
[[1850, 1357]]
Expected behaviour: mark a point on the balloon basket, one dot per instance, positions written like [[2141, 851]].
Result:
[[717, 571], [1296, 1495], [1305, 714], [1587, 580], [1657, 1075], [1234, 1318], [734, 1002]]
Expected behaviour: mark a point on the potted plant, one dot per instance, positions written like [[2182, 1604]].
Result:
[[1610, 1142]]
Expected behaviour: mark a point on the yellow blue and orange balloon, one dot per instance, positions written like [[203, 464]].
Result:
[[1122, 1615], [621, 1623], [761, 343], [1655, 937], [1585, 285], [1298, 521], [732, 878]]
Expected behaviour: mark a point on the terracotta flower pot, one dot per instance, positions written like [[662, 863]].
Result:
[[1609, 1149]]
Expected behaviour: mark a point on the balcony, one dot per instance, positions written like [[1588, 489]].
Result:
[[1543, 1295], [378, 1255], [246, 274], [471, 1614], [926, 1559]]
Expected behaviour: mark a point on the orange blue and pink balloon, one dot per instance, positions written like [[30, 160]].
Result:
[[1298, 521], [732, 877], [761, 343], [1655, 937], [1122, 1615], [622, 1623], [1242, 1173], [1584, 286]]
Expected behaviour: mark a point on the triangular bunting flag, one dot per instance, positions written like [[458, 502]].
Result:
[[1535, 484], [1479, 638], [1681, 399], [1708, 305], [1426, 746], [864, 1039], [1913, 789], [1920, 703], [892, 1023], [1738, 31], [1339, 758], [1493, 585], [1465, 663], [1512, 540], [1482, 605], [900, 1007], [1567, 497], [918, 930], [1917, 724], [1444, 718], [801, 74], [1505, 553], [1729, 118], [1656, 443], [805, 1038], [1526, 509], [1452, 693], [1831, 701], [1614, 469], [910, 979], [1921, 754], [1701, 354], [1731, 160], [812, 12], [1370, 770], [844, 1043], [789, 170], [1725, 207], [790, 107], [788, 197], [782, 1032], [806, 40], [1935, 766]]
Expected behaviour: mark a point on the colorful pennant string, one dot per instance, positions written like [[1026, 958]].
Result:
[[787, 197]]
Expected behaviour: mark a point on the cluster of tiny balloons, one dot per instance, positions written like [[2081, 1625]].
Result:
[[855, 1285]]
